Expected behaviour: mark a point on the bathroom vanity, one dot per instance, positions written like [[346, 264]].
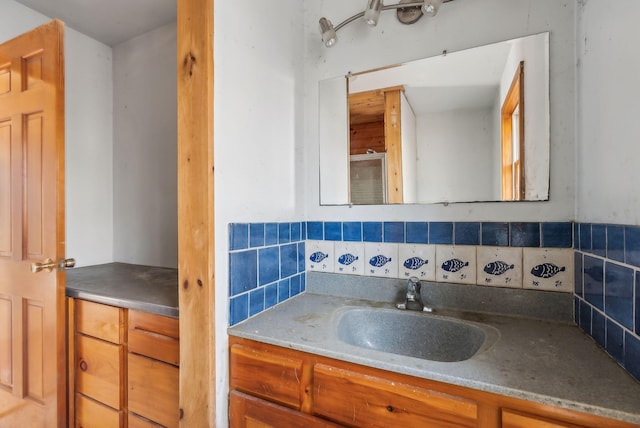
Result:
[[123, 331], [292, 363]]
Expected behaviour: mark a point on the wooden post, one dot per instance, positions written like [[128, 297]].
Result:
[[195, 213], [393, 142]]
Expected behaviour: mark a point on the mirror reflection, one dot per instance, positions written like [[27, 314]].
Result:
[[460, 127]]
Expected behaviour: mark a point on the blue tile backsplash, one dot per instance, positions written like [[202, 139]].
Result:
[[495, 234], [520, 234], [607, 289], [266, 266]]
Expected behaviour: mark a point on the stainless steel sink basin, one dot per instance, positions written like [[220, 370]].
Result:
[[412, 334]]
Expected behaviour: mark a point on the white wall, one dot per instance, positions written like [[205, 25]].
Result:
[[455, 151], [409, 140], [334, 109], [608, 149], [258, 125], [459, 25], [145, 149], [88, 139]]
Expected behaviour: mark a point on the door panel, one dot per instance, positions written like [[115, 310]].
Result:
[[6, 325], [34, 355], [5, 185], [33, 143], [32, 311]]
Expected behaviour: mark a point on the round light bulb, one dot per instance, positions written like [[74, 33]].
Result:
[[430, 7], [329, 36]]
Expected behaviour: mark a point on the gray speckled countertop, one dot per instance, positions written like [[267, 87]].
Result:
[[546, 361], [146, 288]]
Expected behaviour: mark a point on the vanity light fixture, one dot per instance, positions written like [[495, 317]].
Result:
[[408, 12], [329, 37], [372, 13]]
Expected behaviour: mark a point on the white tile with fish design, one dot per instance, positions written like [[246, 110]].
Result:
[[548, 269], [349, 258], [456, 264], [319, 256], [418, 261], [381, 259], [499, 266]]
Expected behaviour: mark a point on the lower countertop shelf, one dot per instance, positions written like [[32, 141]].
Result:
[[146, 288]]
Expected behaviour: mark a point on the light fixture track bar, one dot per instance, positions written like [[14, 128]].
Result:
[[384, 7], [408, 12], [348, 20]]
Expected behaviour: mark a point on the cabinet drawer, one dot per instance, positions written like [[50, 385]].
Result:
[[99, 370], [90, 413], [155, 336], [356, 399], [153, 390], [246, 411], [102, 321], [267, 375]]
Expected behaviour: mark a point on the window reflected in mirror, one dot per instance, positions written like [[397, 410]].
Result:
[[513, 179]]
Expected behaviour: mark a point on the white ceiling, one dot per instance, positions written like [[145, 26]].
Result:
[[108, 21]]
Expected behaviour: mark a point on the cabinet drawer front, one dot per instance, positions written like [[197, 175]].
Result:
[[102, 321], [155, 336], [153, 390], [246, 411], [266, 375], [99, 370], [90, 413], [356, 399]]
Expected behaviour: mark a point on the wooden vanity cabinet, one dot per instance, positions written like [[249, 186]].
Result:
[[273, 386], [123, 367]]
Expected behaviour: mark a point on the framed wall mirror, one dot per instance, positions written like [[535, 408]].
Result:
[[467, 126]]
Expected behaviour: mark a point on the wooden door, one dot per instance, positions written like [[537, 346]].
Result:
[[32, 311]]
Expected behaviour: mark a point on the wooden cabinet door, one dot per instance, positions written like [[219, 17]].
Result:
[[356, 399], [268, 375], [246, 411], [100, 321], [154, 336], [99, 371], [32, 307], [153, 390], [91, 414]]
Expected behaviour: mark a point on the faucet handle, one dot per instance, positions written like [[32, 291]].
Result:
[[414, 284]]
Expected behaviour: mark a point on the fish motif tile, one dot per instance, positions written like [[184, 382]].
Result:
[[417, 260], [319, 256], [349, 258], [548, 269], [499, 266], [456, 263], [381, 259]]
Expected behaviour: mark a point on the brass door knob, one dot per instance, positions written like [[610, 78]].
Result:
[[50, 265]]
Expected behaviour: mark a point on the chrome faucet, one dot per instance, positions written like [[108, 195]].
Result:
[[413, 299]]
